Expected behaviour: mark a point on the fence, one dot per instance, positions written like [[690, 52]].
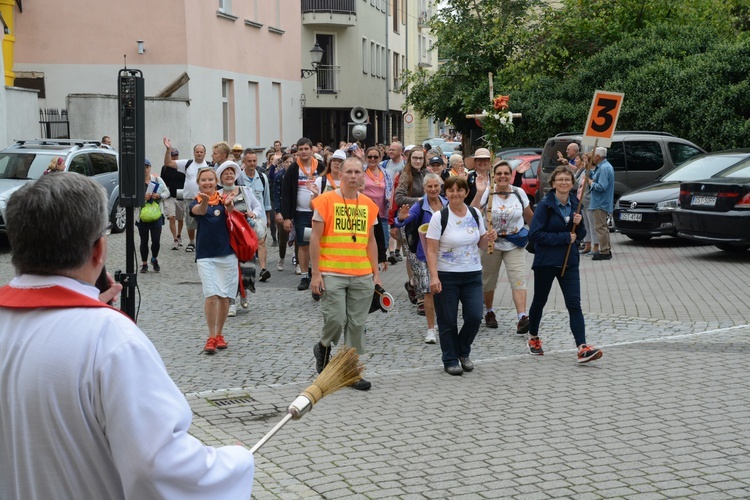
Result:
[[333, 6], [327, 76], [54, 123]]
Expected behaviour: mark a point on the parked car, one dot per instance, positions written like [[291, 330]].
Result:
[[509, 153], [435, 141], [530, 183], [447, 147], [647, 211], [717, 210], [638, 158], [25, 161]]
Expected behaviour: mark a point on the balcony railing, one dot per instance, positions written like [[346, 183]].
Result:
[[327, 79], [333, 6]]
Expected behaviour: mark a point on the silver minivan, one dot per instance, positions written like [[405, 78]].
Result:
[[638, 158], [28, 160]]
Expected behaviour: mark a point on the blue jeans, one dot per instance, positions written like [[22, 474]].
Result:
[[465, 288], [383, 223], [570, 285]]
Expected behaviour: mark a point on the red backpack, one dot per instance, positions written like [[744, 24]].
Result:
[[242, 237]]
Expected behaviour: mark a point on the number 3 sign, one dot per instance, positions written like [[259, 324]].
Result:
[[600, 125]]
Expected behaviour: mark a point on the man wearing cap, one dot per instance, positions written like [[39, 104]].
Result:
[[190, 169], [237, 153], [437, 166], [174, 210], [602, 187], [479, 177]]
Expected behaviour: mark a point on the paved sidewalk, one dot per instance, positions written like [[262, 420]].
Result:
[[664, 414]]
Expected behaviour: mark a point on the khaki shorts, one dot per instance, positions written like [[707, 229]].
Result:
[[515, 267], [174, 208], [190, 221]]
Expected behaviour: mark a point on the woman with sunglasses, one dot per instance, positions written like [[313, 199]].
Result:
[[510, 210], [552, 232]]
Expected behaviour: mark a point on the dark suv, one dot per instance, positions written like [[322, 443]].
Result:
[[638, 158], [28, 160]]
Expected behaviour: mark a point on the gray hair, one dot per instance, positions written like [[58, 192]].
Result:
[[601, 152], [54, 222], [431, 176]]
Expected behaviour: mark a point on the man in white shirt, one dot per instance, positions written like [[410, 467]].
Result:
[[395, 163], [190, 169], [89, 410]]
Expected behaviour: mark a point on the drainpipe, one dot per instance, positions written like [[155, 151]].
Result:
[[387, 79], [6, 12]]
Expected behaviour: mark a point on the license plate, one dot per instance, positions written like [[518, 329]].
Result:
[[703, 201], [631, 217]]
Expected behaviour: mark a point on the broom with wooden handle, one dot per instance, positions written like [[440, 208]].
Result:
[[343, 370]]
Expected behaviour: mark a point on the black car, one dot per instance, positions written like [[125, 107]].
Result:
[[647, 212], [717, 210]]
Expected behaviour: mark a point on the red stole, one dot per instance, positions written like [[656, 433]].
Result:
[[53, 296]]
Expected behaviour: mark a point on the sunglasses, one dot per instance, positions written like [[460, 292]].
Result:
[[373, 157]]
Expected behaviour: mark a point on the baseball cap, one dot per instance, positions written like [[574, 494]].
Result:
[[482, 153], [237, 147], [436, 159], [148, 163], [338, 155], [174, 152], [408, 148]]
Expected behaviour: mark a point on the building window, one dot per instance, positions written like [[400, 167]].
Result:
[[225, 6], [396, 12], [373, 60], [253, 112], [364, 55], [396, 73], [383, 62], [227, 109]]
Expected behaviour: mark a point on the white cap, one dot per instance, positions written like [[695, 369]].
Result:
[[338, 155], [409, 148]]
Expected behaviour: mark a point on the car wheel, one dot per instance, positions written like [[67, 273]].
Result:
[[729, 247], [117, 219], [639, 237]]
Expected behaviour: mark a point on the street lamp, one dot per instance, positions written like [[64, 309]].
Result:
[[316, 54]]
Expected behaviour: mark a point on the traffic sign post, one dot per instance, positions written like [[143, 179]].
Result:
[[602, 119]]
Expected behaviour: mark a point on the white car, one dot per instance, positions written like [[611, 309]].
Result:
[[26, 161]]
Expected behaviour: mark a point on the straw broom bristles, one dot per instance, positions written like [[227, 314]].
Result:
[[342, 370]]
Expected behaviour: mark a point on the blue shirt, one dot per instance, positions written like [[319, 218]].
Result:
[[212, 239], [602, 187]]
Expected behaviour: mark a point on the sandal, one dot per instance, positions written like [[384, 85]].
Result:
[[190, 248]]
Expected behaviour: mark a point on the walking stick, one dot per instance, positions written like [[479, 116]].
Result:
[[578, 211], [343, 370]]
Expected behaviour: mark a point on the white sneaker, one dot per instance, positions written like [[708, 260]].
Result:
[[232, 311], [297, 270], [430, 337], [280, 265]]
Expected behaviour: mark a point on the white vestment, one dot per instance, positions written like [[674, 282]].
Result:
[[88, 410]]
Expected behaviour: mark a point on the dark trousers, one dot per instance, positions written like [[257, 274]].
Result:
[[570, 285], [283, 236], [154, 230], [464, 288]]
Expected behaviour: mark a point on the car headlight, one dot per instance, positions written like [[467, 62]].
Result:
[[667, 205]]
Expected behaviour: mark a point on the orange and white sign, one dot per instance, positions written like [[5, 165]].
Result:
[[602, 120]]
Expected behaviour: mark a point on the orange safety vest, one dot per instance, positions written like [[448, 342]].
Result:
[[343, 222]]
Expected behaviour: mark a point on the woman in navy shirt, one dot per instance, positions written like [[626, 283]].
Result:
[[217, 263], [552, 232]]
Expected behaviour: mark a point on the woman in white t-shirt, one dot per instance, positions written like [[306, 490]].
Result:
[[454, 238], [510, 212]]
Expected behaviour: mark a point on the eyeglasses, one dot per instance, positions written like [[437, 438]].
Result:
[[420, 158], [373, 157], [563, 180]]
